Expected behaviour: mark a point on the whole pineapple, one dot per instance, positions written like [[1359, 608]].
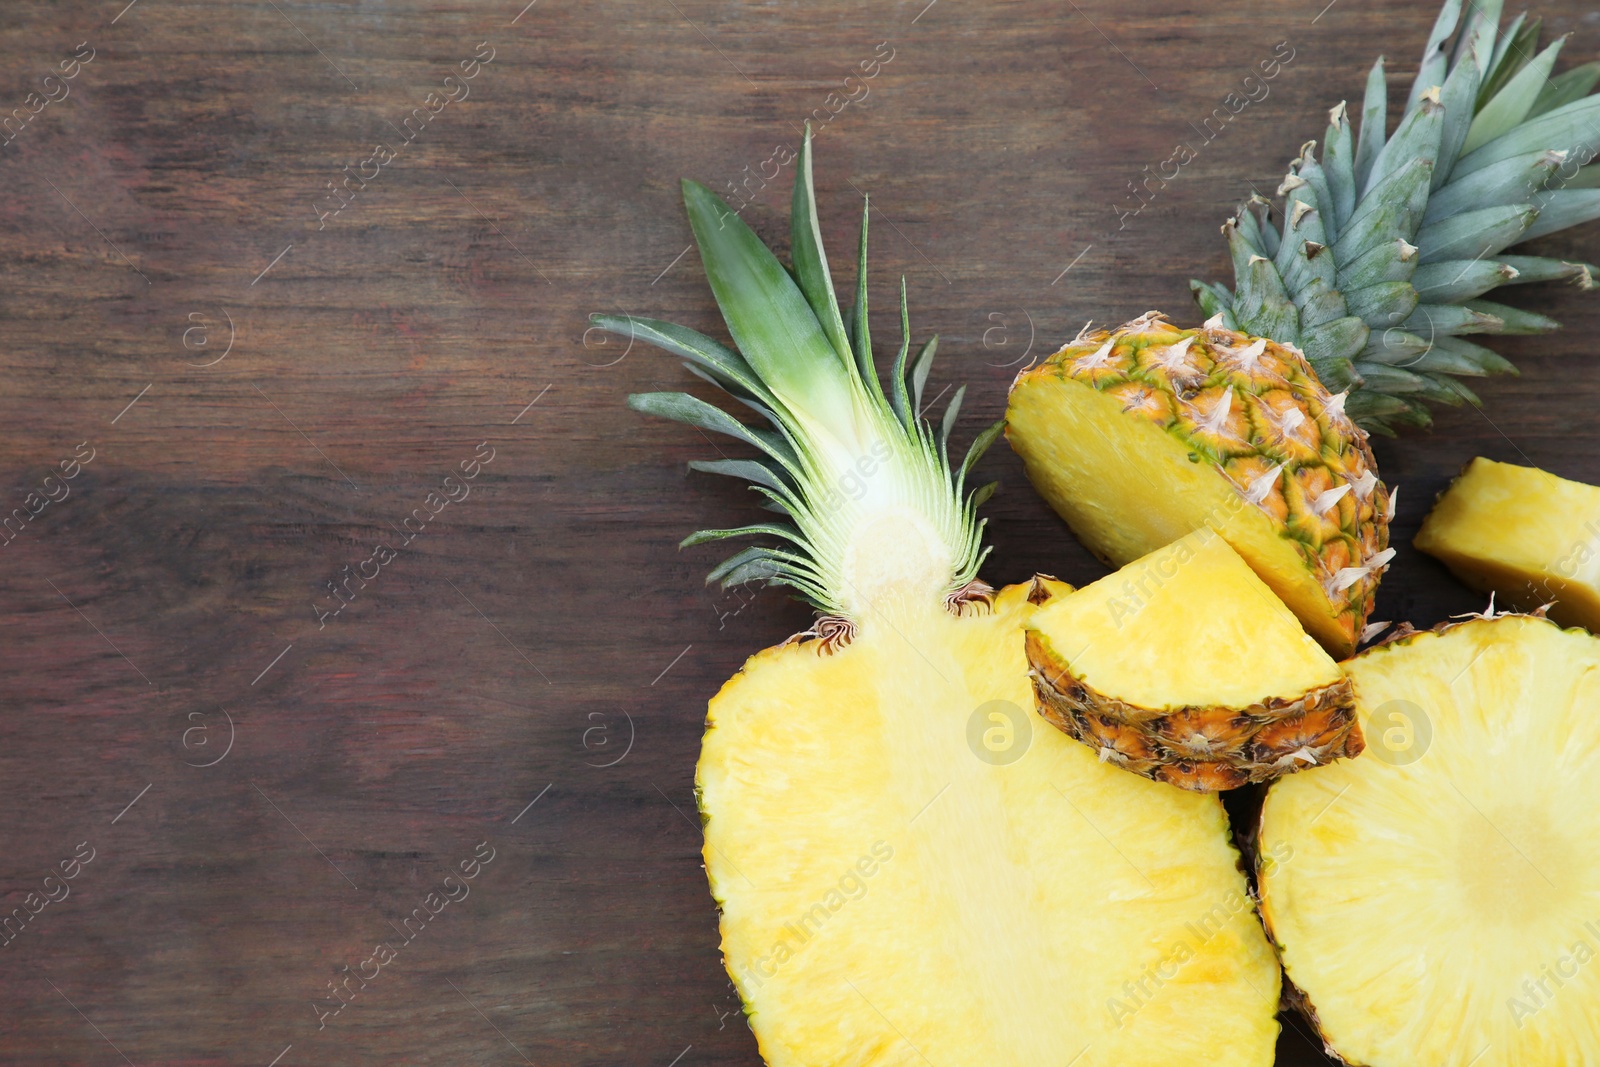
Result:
[[1353, 299], [900, 856]]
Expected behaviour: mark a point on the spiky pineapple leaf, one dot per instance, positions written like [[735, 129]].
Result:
[[810, 265], [980, 445], [1491, 150], [747, 470], [809, 373]]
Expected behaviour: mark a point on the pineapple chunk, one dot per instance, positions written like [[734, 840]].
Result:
[[1438, 900], [1183, 666], [1524, 534], [913, 870]]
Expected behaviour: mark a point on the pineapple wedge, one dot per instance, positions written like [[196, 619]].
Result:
[[1185, 668], [1524, 534], [1139, 435], [1438, 900]]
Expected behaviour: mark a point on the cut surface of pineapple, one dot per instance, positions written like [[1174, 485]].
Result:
[[912, 869], [1524, 534], [1141, 435], [1183, 666], [1438, 900], [909, 871]]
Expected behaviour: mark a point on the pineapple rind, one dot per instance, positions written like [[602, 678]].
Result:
[[1296, 492], [1244, 696], [1205, 748], [1445, 906], [970, 943]]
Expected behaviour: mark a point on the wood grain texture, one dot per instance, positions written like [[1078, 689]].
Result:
[[542, 638]]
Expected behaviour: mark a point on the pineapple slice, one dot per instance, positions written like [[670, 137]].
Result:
[[1524, 534], [1143, 434], [1184, 667], [1438, 900], [913, 870]]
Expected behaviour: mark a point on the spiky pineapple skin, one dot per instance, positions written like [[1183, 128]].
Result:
[[1203, 748], [1244, 415], [1239, 694]]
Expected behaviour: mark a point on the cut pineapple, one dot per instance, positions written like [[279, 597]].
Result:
[[909, 871], [1143, 434], [891, 897], [1354, 298], [1524, 534], [1184, 667], [1438, 900]]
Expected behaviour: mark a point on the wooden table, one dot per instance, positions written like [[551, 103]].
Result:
[[270, 387]]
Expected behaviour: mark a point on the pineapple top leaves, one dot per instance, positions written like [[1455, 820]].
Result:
[[874, 508], [1380, 251]]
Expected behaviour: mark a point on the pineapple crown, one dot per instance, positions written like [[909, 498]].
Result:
[[1384, 247], [875, 508]]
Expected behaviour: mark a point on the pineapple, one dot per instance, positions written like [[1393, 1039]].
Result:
[[1210, 429], [902, 860], [1438, 900], [1523, 533], [1365, 283], [1244, 696]]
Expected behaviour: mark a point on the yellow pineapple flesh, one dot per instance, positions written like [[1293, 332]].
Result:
[[912, 869], [1142, 434], [1438, 900], [1184, 667], [1524, 534]]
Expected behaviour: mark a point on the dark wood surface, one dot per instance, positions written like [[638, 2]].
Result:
[[542, 639]]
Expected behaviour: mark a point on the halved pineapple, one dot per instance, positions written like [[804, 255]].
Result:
[[1524, 534], [911, 872], [1438, 900], [1184, 667]]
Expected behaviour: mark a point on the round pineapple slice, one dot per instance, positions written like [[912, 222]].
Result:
[[912, 869], [1184, 667], [1438, 900]]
